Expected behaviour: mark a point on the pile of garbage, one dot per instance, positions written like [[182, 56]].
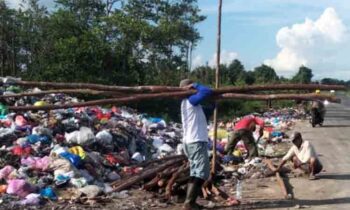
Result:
[[82, 150], [81, 153], [274, 143]]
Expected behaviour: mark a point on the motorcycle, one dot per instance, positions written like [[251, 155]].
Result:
[[316, 117]]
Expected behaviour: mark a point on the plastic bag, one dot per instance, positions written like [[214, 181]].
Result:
[[19, 187], [75, 160], [78, 150], [104, 137], [84, 136]]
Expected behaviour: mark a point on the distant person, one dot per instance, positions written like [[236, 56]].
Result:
[[303, 155], [318, 109], [243, 130], [195, 140]]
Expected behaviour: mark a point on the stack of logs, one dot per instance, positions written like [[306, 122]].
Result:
[[169, 174]]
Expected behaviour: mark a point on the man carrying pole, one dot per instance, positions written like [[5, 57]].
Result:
[[195, 140]]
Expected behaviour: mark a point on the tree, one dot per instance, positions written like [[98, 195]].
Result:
[[232, 73], [265, 74], [303, 76]]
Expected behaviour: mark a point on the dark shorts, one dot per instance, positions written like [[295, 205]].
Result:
[[306, 166], [247, 137]]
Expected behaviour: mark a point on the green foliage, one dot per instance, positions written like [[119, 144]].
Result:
[[265, 75], [303, 76], [120, 42]]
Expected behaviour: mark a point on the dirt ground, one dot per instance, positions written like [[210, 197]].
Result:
[[331, 191]]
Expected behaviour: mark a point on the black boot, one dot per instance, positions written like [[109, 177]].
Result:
[[193, 189]]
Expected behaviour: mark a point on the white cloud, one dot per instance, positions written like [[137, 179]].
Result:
[[311, 43], [226, 57], [17, 3], [14, 3], [197, 61]]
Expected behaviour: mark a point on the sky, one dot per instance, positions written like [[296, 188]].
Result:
[[283, 34]]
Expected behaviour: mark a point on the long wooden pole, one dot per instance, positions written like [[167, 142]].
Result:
[[135, 98], [156, 89], [217, 80], [66, 91]]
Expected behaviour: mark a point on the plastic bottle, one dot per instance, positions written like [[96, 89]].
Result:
[[239, 190]]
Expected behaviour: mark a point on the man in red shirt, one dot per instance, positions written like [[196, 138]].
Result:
[[243, 130]]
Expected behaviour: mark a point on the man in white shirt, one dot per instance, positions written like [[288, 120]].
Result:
[[195, 140], [303, 154]]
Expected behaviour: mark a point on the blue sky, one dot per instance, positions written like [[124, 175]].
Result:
[[250, 27], [276, 32]]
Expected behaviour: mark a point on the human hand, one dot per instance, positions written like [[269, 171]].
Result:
[[188, 87]]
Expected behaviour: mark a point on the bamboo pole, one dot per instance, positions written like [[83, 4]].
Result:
[[217, 77], [135, 98]]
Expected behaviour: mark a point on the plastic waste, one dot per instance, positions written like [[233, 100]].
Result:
[[48, 193], [6, 171], [166, 148], [138, 157], [21, 151], [79, 182], [36, 162], [75, 160], [91, 191], [31, 199], [32, 139], [104, 137], [19, 187], [40, 103], [3, 188], [78, 150], [84, 136], [239, 190]]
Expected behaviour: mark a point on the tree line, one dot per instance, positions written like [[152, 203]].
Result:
[[119, 42]]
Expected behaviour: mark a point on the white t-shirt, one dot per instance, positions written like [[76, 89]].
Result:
[[304, 154], [194, 123]]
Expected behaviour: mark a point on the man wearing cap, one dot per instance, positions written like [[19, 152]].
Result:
[[243, 130], [195, 140], [303, 155]]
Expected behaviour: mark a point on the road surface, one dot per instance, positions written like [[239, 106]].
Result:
[[332, 143]]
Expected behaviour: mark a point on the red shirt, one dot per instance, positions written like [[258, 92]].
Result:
[[246, 121]]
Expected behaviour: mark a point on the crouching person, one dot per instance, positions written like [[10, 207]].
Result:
[[195, 140], [303, 155]]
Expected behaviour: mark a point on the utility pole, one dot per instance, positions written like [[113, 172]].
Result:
[[217, 77]]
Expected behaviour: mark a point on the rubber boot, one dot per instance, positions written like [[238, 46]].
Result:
[[193, 190]]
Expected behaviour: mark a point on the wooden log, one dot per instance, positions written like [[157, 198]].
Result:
[[279, 179], [147, 174], [161, 183], [65, 91], [147, 163], [305, 97], [130, 99], [155, 89], [275, 87], [73, 85], [151, 184], [169, 187]]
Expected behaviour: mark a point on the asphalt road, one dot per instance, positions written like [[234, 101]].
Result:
[[332, 143]]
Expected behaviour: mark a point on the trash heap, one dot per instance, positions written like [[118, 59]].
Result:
[[78, 154], [44, 155], [274, 143]]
